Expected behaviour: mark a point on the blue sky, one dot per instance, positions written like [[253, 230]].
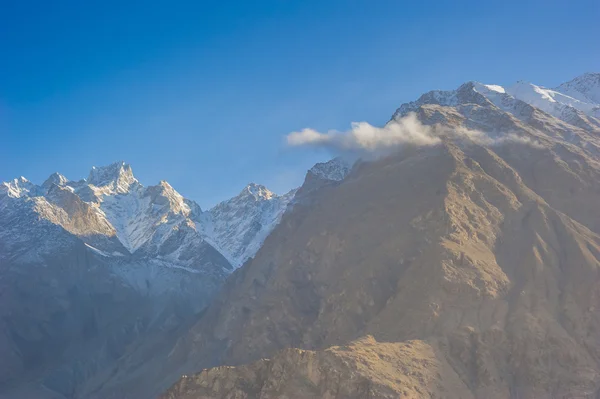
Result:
[[202, 93]]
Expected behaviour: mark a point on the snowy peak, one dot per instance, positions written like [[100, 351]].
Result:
[[548, 100], [165, 196], [573, 102], [488, 89], [257, 192], [117, 216], [195, 209], [584, 88], [17, 188], [117, 176], [147, 217], [465, 94], [55, 178], [238, 226]]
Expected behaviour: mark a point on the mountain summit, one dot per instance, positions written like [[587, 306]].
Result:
[[117, 176], [465, 269]]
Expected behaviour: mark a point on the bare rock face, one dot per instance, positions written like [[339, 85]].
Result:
[[361, 369], [473, 266]]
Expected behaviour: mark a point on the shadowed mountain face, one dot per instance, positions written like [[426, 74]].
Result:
[[468, 268]]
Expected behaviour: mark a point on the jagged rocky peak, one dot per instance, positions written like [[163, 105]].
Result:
[[238, 226], [336, 169], [57, 192], [195, 209], [573, 102], [165, 194], [465, 94], [256, 191], [117, 176], [584, 88], [55, 178], [17, 188]]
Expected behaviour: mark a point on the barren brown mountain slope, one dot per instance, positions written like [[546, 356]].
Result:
[[445, 245], [362, 369], [464, 269]]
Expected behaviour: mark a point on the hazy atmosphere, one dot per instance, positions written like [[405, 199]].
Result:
[[300, 200]]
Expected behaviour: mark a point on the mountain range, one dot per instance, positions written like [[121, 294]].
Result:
[[468, 268], [109, 262]]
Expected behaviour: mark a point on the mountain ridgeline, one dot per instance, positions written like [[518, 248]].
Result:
[[464, 269], [468, 268]]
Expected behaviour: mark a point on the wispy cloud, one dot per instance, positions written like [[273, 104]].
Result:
[[363, 137]]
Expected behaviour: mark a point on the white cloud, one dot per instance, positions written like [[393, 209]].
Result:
[[365, 137]]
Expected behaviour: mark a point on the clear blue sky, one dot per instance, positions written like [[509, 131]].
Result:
[[201, 93]]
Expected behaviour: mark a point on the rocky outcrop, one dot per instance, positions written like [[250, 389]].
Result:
[[362, 369]]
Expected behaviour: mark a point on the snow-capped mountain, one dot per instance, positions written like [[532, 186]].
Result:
[[115, 215], [585, 88], [16, 188], [115, 178], [105, 240], [238, 226], [112, 262], [575, 102]]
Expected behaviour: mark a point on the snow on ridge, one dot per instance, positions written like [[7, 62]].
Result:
[[551, 101], [566, 102], [146, 217], [548, 100], [17, 188], [118, 176], [237, 227], [152, 218], [96, 250], [496, 88], [55, 178], [336, 169], [257, 191], [124, 212], [584, 88]]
